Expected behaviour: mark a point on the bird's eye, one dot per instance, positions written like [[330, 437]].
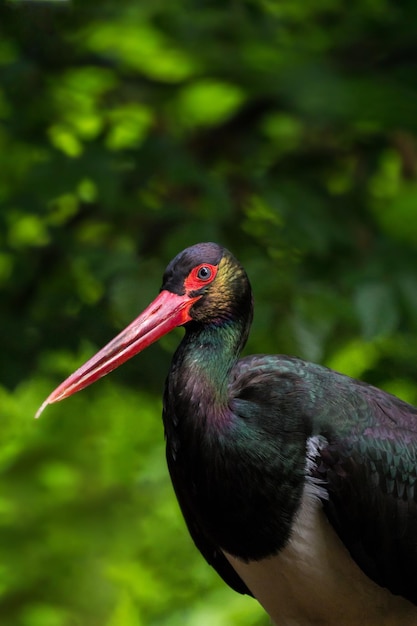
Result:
[[204, 273]]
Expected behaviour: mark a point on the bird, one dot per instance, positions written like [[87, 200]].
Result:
[[298, 484]]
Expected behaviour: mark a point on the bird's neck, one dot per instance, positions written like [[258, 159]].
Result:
[[201, 368]]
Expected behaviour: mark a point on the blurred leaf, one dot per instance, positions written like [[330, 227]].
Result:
[[142, 47], [208, 102], [355, 358], [26, 230], [377, 309], [44, 615], [125, 613], [64, 139], [129, 126]]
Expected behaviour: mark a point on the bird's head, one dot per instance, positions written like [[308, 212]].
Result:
[[212, 283], [203, 285]]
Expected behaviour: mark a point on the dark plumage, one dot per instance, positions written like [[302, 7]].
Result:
[[249, 441]]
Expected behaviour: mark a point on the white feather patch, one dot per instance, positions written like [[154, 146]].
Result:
[[314, 581]]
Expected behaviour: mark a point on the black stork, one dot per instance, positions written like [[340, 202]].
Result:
[[297, 483]]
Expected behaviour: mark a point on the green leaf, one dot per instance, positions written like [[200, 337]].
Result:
[[377, 309], [208, 102]]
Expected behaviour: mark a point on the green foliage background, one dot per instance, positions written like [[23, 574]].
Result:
[[285, 130]]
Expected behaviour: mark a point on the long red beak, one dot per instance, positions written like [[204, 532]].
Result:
[[166, 312]]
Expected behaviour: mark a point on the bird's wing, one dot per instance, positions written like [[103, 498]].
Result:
[[370, 472], [366, 462]]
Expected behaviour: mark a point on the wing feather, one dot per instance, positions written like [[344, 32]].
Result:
[[366, 461]]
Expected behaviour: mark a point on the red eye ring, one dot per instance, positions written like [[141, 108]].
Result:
[[199, 276]]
